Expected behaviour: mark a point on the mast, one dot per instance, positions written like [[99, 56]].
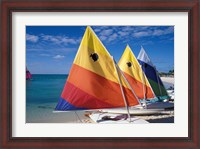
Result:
[[144, 90], [123, 95], [128, 84]]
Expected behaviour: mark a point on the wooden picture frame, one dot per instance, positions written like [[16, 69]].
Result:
[[9, 6]]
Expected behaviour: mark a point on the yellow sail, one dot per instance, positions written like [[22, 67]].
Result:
[[134, 74]]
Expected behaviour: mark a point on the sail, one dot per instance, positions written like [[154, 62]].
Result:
[[151, 73], [93, 79], [134, 74], [28, 74]]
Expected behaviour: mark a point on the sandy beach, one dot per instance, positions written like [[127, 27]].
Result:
[[168, 79], [44, 113]]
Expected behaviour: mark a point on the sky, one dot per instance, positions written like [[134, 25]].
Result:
[[52, 49]]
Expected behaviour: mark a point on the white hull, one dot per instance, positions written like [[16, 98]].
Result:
[[108, 118], [133, 111], [152, 108]]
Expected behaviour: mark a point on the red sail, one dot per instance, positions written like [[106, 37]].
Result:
[[28, 74]]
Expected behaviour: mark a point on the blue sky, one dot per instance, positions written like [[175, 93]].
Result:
[[51, 49]]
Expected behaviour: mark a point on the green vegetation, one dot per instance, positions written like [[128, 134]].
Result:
[[170, 73]]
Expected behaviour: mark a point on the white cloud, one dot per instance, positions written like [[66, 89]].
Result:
[[112, 37], [103, 38], [127, 28], [46, 55], [59, 57], [69, 41], [141, 34], [97, 29], [121, 33], [54, 39], [106, 32], [163, 32], [109, 34], [60, 39], [46, 37], [158, 32], [32, 38], [152, 32]]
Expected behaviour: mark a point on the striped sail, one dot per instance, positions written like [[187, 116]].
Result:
[[93, 81], [134, 74], [151, 73]]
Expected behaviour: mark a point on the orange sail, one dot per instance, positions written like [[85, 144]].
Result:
[[93, 81], [134, 74]]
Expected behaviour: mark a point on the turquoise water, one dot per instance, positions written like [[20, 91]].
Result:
[[42, 95], [47, 88], [44, 88]]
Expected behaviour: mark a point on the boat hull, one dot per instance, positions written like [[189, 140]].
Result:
[[134, 111], [108, 118]]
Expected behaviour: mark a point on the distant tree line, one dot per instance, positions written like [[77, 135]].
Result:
[[170, 73]]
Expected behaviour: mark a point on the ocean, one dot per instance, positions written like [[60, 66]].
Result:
[[44, 88], [42, 94]]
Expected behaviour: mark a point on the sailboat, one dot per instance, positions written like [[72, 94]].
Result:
[[28, 74], [134, 74], [152, 74], [95, 82], [154, 80]]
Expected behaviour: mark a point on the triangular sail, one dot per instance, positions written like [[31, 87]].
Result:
[[134, 74], [28, 74], [93, 81], [151, 73]]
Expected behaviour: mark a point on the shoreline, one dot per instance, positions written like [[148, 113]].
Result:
[[48, 116], [43, 113]]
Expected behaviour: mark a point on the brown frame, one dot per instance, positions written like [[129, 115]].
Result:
[[9, 6]]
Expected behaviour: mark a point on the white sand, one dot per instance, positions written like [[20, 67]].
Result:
[[168, 79], [43, 113]]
